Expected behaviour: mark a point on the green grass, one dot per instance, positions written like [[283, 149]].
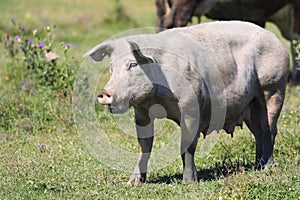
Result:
[[43, 157]]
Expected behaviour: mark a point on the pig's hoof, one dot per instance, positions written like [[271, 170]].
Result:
[[136, 179], [270, 165], [190, 176], [260, 165], [190, 179]]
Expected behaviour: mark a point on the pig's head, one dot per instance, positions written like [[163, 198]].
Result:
[[130, 69]]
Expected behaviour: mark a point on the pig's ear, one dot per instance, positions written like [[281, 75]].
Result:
[[100, 51], [138, 55]]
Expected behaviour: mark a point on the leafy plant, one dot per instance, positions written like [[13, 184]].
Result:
[[42, 63]]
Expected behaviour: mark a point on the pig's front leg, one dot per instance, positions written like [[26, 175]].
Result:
[[145, 134], [189, 140]]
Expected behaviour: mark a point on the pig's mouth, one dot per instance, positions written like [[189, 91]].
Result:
[[117, 110], [118, 107], [109, 108]]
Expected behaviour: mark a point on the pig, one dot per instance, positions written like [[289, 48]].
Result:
[[206, 77]]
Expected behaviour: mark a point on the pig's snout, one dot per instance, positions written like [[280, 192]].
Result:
[[105, 97]]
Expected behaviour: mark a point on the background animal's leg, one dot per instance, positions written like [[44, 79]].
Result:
[[145, 134], [295, 74], [199, 19], [161, 11]]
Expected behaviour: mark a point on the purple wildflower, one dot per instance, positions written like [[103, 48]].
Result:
[[41, 46], [22, 28], [5, 42], [12, 20], [29, 41], [17, 37], [68, 46]]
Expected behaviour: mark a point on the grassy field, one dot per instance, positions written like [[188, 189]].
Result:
[[42, 155]]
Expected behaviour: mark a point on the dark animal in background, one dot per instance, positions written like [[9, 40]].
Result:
[[284, 13]]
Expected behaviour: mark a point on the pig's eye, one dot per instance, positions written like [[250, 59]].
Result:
[[131, 64]]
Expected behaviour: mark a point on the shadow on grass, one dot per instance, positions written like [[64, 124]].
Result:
[[219, 171]]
